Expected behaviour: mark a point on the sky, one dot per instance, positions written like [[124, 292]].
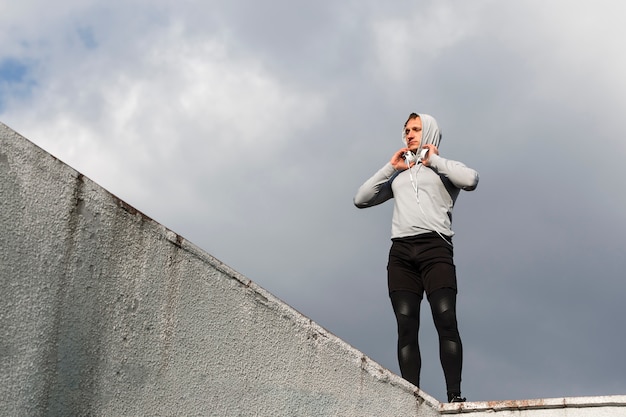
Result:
[[247, 127]]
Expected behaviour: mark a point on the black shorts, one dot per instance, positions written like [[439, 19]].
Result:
[[421, 263]]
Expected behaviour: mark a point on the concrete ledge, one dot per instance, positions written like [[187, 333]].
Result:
[[553, 407]]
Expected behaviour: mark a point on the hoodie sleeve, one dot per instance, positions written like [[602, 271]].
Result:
[[377, 189], [459, 175]]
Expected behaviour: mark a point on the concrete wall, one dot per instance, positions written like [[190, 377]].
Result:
[[104, 312]]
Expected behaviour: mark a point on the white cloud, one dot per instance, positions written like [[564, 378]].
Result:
[[570, 45], [406, 44], [562, 58], [174, 102]]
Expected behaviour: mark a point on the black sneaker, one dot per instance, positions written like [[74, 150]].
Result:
[[456, 399]]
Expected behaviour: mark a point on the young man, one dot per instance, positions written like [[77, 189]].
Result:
[[424, 188]]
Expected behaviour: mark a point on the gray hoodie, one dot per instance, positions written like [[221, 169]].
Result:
[[424, 196]]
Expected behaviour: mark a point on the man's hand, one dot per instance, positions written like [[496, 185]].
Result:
[[398, 161], [432, 149]]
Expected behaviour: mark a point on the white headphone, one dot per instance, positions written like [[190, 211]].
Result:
[[410, 157]]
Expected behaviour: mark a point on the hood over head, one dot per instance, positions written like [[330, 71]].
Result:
[[431, 134]]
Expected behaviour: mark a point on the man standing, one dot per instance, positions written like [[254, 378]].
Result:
[[424, 187]]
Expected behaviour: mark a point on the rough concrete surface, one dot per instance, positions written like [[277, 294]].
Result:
[[106, 312]]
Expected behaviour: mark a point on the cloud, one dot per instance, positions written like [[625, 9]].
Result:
[[409, 42], [175, 102]]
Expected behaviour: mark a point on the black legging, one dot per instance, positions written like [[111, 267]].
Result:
[[406, 306]]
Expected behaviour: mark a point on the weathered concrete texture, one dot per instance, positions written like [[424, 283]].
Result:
[[104, 312], [607, 406]]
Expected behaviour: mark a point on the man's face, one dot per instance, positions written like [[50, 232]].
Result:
[[413, 133]]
